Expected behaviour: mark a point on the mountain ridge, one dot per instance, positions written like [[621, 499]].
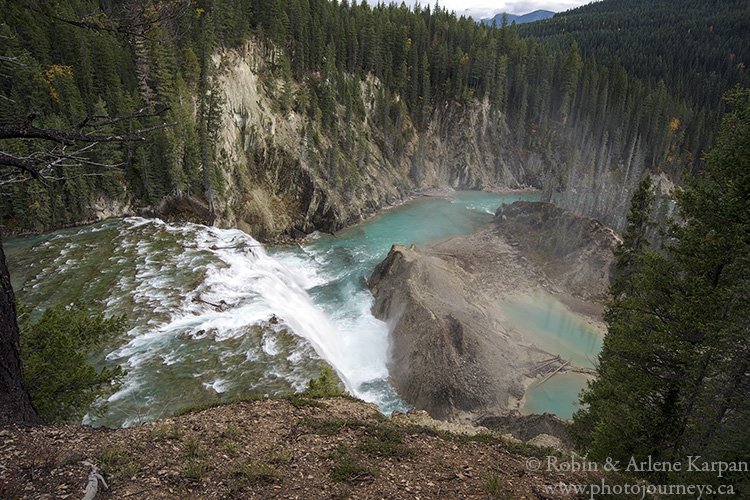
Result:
[[530, 17]]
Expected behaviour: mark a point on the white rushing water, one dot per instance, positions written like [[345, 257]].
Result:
[[212, 313], [221, 284], [216, 316]]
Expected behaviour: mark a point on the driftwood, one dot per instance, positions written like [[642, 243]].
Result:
[[221, 307], [551, 374], [92, 487], [544, 364]]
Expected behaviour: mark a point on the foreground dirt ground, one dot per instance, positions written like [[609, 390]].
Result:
[[287, 448]]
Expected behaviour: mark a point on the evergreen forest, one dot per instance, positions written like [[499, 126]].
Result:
[[698, 50], [673, 371], [598, 123]]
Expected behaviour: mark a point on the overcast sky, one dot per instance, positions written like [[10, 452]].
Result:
[[488, 8]]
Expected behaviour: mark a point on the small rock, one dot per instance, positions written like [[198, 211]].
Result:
[[547, 441]]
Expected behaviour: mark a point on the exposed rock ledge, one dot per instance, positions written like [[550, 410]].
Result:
[[452, 352]]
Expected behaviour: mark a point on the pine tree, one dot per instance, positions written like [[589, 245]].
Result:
[[63, 385]]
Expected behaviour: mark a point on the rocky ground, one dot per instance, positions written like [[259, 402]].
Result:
[[293, 448]]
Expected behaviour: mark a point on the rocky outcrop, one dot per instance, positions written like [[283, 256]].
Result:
[[449, 352], [543, 431], [105, 208], [452, 352], [182, 207], [532, 429], [574, 252]]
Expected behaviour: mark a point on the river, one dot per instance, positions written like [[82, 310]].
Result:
[[214, 315]]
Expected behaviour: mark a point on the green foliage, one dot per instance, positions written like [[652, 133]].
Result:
[[299, 402], [196, 466], [195, 408], [278, 454], [62, 384], [495, 486], [116, 460], [255, 472], [384, 440], [380, 439], [166, 432], [346, 468], [193, 447], [194, 470], [324, 427], [608, 111], [634, 240], [673, 377], [327, 385], [652, 39], [198, 407]]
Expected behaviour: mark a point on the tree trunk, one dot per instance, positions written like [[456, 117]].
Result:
[[15, 403]]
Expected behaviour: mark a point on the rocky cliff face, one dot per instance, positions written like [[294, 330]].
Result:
[[277, 166], [276, 169], [573, 252], [452, 350]]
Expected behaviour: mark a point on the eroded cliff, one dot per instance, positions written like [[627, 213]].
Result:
[[452, 351], [285, 174]]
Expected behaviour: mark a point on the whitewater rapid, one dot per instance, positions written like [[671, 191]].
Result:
[[215, 316], [211, 313]]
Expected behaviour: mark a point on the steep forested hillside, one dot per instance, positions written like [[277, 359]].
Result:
[[353, 105], [698, 49], [673, 377]]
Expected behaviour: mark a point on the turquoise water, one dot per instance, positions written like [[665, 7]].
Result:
[[558, 395], [543, 320], [339, 265], [214, 315]]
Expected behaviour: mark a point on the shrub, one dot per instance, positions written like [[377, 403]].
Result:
[[62, 384], [327, 385]]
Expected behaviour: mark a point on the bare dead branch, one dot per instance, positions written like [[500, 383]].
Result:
[[41, 165], [136, 23], [139, 30], [13, 60], [69, 148], [25, 130], [24, 164], [141, 113], [76, 176], [155, 127]]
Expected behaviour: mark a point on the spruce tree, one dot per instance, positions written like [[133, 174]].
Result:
[[63, 385], [674, 374], [634, 240]]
